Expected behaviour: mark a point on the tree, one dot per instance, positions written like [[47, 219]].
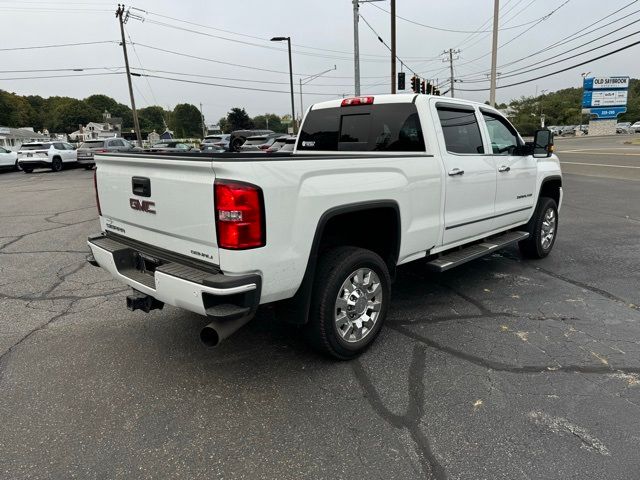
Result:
[[152, 118], [186, 121], [238, 119], [15, 110], [269, 121], [224, 125], [69, 113], [103, 102]]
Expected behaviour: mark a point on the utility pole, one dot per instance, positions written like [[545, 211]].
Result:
[[393, 46], [204, 128], [356, 48], [450, 53], [136, 124], [494, 54]]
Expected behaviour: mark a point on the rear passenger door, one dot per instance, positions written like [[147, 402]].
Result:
[[470, 174], [516, 173]]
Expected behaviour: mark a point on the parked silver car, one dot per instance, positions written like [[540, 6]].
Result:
[[219, 142], [88, 149], [259, 143], [278, 144]]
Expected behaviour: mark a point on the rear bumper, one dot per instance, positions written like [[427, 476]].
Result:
[[86, 160], [29, 163], [197, 290]]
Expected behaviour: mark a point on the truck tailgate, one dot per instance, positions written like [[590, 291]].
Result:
[[164, 202]]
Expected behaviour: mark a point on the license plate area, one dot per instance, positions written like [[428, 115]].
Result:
[[137, 266]]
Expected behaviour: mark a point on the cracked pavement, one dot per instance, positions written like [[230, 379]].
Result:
[[500, 369]]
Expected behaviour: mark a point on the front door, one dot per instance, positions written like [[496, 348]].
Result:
[[470, 174], [517, 174]]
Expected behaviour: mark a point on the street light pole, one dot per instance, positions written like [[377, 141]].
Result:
[[393, 46], [356, 49], [293, 108], [305, 80]]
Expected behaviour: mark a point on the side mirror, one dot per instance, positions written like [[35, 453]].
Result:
[[543, 143]]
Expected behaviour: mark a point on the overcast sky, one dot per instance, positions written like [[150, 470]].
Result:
[[322, 34]]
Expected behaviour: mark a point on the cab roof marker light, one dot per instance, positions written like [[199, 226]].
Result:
[[348, 102]]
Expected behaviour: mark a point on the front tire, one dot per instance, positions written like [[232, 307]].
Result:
[[542, 228], [351, 295], [56, 164]]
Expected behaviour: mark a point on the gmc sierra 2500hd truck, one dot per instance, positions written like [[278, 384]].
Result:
[[373, 183]]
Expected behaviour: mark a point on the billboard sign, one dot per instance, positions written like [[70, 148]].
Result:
[[604, 98], [610, 83]]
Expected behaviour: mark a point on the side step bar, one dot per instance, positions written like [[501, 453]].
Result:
[[466, 254]]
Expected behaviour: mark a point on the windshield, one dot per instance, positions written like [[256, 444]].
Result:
[[93, 144], [36, 146]]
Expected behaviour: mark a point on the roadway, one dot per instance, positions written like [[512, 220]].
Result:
[[503, 368], [606, 157]]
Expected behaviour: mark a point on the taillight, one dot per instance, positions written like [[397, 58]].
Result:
[[348, 102], [102, 150], [95, 187], [239, 215], [264, 146]]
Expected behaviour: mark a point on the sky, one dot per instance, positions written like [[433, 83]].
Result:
[[231, 40]]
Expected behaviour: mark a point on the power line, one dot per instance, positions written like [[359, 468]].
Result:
[[65, 76], [527, 69], [449, 29], [570, 38], [76, 69], [59, 45], [255, 37], [288, 92], [557, 71]]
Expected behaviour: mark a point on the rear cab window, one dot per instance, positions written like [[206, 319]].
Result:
[[460, 128], [393, 127]]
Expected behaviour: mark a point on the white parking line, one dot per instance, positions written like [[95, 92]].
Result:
[[583, 152], [597, 164]]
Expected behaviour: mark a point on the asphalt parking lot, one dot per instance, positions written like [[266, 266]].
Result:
[[500, 369]]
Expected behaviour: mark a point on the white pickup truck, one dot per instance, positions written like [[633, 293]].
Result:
[[373, 183]]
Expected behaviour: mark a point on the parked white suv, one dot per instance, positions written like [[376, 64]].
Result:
[[374, 182], [51, 155]]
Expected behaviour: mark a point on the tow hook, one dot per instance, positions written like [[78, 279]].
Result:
[[141, 301]]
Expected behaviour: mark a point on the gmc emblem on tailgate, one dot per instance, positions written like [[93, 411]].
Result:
[[143, 206]]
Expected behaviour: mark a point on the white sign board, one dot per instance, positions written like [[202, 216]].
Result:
[[598, 83], [609, 99]]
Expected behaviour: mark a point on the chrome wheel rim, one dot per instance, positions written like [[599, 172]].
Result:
[[358, 305], [548, 229]]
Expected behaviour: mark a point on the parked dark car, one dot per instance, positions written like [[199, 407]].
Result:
[[88, 149], [238, 137]]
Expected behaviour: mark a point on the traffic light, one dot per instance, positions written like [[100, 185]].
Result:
[[414, 84], [429, 88], [401, 81], [422, 87]]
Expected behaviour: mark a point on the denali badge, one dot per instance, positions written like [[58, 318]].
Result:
[[143, 206]]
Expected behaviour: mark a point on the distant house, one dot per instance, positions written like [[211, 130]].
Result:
[[213, 129], [110, 127], [13, 138], [166, 135], [153, 137]]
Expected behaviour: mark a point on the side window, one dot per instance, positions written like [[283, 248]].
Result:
[[58, 146], [461, 130], [117, 143], [503, 137]]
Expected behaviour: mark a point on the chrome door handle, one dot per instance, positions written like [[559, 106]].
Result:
[[456, 171], [504, 168]]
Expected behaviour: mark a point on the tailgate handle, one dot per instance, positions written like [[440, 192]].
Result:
[[141, 186]]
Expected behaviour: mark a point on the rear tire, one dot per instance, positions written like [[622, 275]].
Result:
[[542, 228], [56, 164], [351, 295]]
